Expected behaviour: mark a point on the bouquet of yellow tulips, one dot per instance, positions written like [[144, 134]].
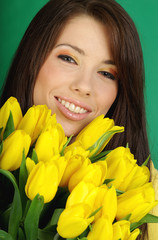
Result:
[[53, 189]]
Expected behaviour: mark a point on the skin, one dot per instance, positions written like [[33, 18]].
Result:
[[79, 70]]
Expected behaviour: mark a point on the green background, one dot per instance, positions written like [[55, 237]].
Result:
[[15, 16]]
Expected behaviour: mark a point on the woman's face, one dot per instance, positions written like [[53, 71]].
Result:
[[78, 79]]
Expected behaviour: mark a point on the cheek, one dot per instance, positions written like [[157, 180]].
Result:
[[107, 96], [48, 78]]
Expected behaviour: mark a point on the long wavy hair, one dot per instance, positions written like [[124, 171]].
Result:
[[38, 41]]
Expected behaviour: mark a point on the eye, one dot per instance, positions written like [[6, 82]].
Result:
[[107, 75], [67, 58]]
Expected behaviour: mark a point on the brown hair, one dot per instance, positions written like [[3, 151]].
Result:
[[39, 39]]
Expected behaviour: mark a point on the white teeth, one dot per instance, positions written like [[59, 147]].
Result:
[[82, 110], [72, 107], [77, 109], [67, 104], [63, 102]]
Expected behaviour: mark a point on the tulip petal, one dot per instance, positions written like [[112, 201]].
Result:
[[73, 221], [101, 229], [43, 180]]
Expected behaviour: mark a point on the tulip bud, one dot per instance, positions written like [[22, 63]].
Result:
[[34, 120], [43, 180], [121, 230], [10, 105], [83, 193], [74, 220], [101, 229], [13, 147], [107, 199], [134, 234], [76, 158], [49, 143], [138, 202], [123, 169], [94, 173], [30, 164], [96, 130], [57, 132], [61, 163]]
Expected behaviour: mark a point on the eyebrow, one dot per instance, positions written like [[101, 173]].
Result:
[[110, 62], [72, 46]]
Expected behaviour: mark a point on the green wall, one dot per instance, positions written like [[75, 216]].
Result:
[[15, 16]]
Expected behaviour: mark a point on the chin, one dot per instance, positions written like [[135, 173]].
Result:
[[69, 131]]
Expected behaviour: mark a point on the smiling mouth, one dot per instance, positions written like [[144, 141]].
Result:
[[72, 107]]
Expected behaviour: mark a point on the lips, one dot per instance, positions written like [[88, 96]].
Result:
[[72, 109]]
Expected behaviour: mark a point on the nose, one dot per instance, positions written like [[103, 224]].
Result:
[[82, 85]]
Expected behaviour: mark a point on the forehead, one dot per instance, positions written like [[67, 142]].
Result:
[[86, 33]]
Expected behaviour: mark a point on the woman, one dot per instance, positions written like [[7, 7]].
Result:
[[87, 54]]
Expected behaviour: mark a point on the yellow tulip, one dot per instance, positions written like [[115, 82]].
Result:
[[74, 220], [43, 180], [107, 199], [121, 230], [57, 132], [61, 163], [30, 164], [34, 120], [93, 131], [49, 143], [134, 234], [13, 147], [76, 158], [101, 229], [94, 173], [138, 202], [10, 105], [136, 178], [83, 193], [123, 169]]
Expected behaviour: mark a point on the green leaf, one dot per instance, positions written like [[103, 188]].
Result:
[[21, 235], [48, 233], [71, 238], [65, 145], [126, 217], [28, 203], [34, 156], [56, 215], [57, 237], [84, 238], [16, 208], [119, 192], [93, 213], [149, 218], [100, 156], [4, 218], [146, 161], [32, 218], [4, 235], [1, 147], [9, 126], [23, 174], [107, 181], [100, 142], [85, 233], [127, 145], [1, 130]]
